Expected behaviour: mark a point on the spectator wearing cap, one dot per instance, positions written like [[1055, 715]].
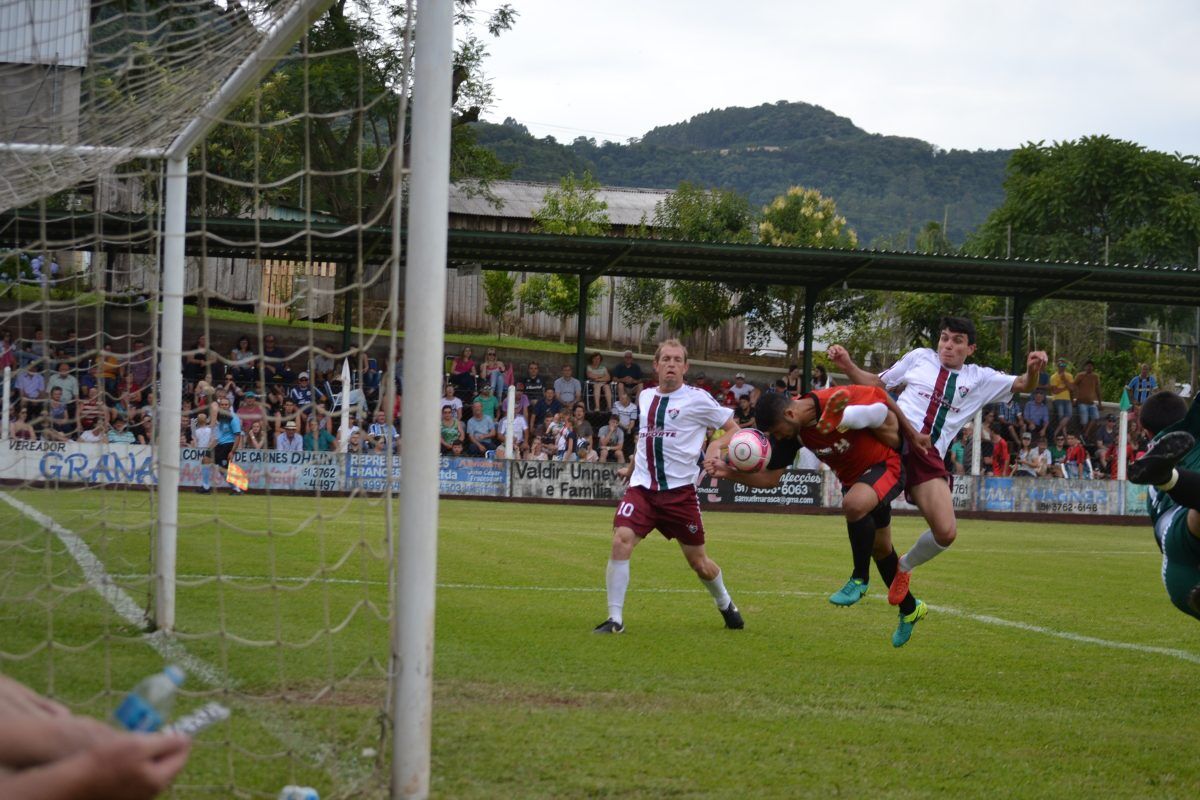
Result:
[[250, 410], [32, 384], [598, 378], [489, 401], [290, 441], [1087, 396], [629, 375], [302, 394], [1062, 395], [1037, 414], [741, 389]]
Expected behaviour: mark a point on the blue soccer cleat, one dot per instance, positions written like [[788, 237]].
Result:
[[907, 621], [851, 593]]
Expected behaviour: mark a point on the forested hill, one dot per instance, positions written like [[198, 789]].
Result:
[[884, 185]]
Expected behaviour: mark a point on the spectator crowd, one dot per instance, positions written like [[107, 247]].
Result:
[[65, 389]]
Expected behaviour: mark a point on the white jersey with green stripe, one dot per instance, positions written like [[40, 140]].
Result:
[[671, 435], [939, 401]]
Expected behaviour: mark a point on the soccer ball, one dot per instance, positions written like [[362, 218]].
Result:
[[749, 450]]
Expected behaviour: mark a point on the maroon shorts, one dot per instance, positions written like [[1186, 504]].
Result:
[[675, 512], [886, 478], [920, 467]]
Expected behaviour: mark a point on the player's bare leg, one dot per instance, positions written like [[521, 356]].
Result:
[[937, 506], [616, 579], [710, 575]]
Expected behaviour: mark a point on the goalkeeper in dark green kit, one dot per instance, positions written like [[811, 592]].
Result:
[[1171, 467]]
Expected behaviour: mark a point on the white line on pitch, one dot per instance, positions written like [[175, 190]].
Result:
[[170, 650], [985, 619]]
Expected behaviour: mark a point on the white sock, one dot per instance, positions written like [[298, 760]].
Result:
[[867, 416], [716, 587], [926, 547], [616, 579]]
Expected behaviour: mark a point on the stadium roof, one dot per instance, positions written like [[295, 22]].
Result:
[[520, 199], [816, 268]]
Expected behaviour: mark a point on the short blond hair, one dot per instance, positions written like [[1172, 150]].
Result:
[[670, 343]]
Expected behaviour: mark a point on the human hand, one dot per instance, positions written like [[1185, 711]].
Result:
[[838, 355], [1036, 360], [135, 766], [17, 698], [625, 472], [718, 468], [922, 442]]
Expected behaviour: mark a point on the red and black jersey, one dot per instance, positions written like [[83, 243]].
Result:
[[850, 453]]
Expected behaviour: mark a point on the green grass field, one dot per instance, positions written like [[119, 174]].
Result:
[[1051, 664]]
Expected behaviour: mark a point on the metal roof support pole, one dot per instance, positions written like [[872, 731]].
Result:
[[585, 282], [1016, 333], [811, 295]]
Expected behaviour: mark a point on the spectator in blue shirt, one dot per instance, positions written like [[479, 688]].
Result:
[[481, 432], [1142, 385], [1037, 415]]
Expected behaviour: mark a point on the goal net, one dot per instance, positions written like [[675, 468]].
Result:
[[281, 598]]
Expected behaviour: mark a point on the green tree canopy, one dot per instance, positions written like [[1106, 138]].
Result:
[[573, 209], [801, 218], [1066, 200]]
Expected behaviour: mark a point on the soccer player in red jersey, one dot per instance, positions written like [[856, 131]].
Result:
[[856, 431]]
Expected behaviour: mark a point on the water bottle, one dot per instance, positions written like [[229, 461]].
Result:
[[148, 706], [298, 793]]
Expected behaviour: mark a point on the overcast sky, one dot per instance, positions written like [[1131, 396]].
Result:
[[960, 74]]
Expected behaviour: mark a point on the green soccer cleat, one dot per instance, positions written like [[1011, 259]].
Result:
[[851, 593], [907, 621]]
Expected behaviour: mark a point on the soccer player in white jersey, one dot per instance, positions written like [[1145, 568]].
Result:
[[675, 420], [941, 393]]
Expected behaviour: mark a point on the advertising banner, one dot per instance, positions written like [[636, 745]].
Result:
[[270, 470], [76, 462], [565, 480], [476, 477], [1069, 496], [797, 487]]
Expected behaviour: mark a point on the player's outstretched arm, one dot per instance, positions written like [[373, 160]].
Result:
[[765, 479], [841, 359], [1035, 362]]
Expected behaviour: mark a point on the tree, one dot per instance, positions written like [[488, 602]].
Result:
[[1082, 200], [640, 300], [700, 215], [334, 115], [571, 210], [558, 296], [499, 299], [800, 218]]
